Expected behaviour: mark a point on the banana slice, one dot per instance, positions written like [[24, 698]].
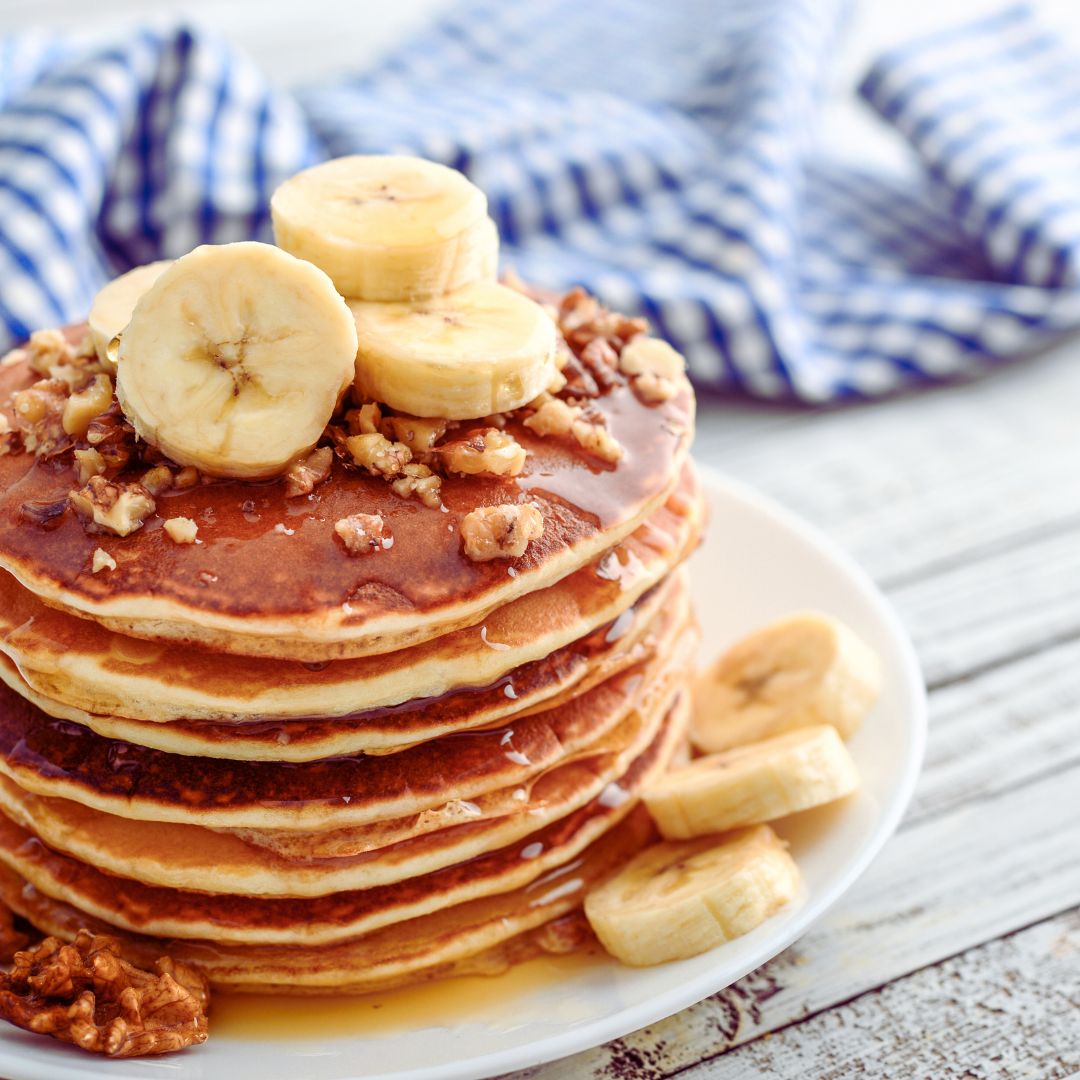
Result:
[[481, 350], [803, 669], [235, 359], [112, 307], [675, 900], [752, 784], [387, 228]]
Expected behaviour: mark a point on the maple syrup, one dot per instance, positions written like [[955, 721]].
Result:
[[491, 999]]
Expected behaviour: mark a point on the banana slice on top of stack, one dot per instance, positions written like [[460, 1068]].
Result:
[[235, 359], [409, 244], [778, 706]]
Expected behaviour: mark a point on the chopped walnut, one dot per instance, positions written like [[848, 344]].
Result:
[[363, 533], [88, 463], [157, 480], [645, 355], [102, 561], [85, 994], [654, 367], [500, 532], [556, 417], [39, 415], [305, 475], [378, 455], [419, 434], [113, 437], [110, 506], [46, 349], [595, 439], [83, 406], [8, 435], [484, 452], [364, 421], [553, 417], [654, 389], [182, 530], [420, 481], [186, 478]]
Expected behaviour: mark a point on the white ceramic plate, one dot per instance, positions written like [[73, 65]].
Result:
[[758, 562]]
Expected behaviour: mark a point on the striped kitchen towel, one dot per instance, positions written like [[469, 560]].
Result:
[[665, 156]]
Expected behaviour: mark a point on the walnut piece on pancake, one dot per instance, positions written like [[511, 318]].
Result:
[[484, 452], [500, 532], [86, 995], [111, 506], [89, 463], [363, 533], [419, 434], [555, 417], [654, 367], [376, 454], [102, 561], [7, 435], [182, 530], [419, 480], [39, 416], [83, 405], [305, 475]]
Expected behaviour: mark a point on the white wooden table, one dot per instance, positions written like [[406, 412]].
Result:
[[958, 954]]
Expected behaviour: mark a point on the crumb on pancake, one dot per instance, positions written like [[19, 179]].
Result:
[[86, 995], [555, 417], [102, 561], [500, 532], [182, 530], [363, 533], [112, 506]]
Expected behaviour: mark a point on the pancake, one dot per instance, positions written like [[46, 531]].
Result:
[[339, 916], [542, 684], [465, 938], [269, 578], [191, 857], [91, 669], [51, 757]]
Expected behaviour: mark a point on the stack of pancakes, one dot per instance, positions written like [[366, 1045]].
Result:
[[313, 772]]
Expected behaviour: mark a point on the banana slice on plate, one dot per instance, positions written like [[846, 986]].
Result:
[[753, 784], [480, 350], [235, 359], [113, 305], [387, 227], [675, 900], [800, 670]]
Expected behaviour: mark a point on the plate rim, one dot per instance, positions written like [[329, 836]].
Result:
[[631, 1018]]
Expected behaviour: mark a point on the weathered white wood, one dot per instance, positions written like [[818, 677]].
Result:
[[925, 481], [1010, 726], [985, 611], [1007, 1010], [944, 885]]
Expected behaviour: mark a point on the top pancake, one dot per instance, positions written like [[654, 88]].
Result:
[[269, 578]]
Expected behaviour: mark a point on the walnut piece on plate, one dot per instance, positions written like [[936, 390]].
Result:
[[85, 994], [500, 532]]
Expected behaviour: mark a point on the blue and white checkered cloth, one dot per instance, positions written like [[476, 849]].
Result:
[[662, 155]]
